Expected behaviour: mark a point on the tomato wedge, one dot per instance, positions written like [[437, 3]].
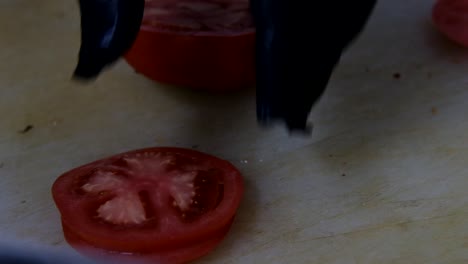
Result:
[[164, 203], [450, 17], [201, 44]]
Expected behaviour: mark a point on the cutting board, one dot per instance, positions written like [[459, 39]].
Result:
[[382, 179]]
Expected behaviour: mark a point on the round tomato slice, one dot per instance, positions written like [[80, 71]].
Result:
[[451, 18], [149, 200], [175, 256], [202, 44]]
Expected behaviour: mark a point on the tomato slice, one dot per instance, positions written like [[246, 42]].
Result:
[[203, 44], [450, 17], [175, 256], [149, 200]]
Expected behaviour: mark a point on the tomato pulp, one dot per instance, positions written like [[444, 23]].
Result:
[[169, 205], [450, 17], [201, 44]]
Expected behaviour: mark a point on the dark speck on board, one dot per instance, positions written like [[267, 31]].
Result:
[[396, 75], [26, 129]]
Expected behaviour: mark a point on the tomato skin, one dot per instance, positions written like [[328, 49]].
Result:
[[450, 17], [74, 207], [200, 61], [174, 256]]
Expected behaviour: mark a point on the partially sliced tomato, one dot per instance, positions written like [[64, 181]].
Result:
[[149, 200], [203, 44], [451, 18]]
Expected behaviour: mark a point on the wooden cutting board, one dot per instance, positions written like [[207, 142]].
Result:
[[382, 179]]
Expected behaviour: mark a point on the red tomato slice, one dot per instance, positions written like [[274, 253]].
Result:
[[149, 200], [451, 18], [203, 44], [175, 256]]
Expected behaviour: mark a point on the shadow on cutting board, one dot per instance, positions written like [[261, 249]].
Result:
[[215, 114]]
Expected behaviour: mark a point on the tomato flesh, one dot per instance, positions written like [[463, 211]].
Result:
[[450, 17], [203, 44], [149, 200], [218, 17]]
